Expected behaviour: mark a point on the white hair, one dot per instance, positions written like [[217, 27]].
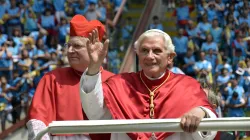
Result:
[[152, 33]]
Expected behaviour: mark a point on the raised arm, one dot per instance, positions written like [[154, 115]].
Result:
[[91, 91]]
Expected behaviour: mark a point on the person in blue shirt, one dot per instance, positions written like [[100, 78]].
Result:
[[127, 31], [5, 101], [175, 69], [15, 88], [224, 77], [216, 32], [224, 64], [239, 43], [48, 20], [17, 37], [203, 67], [116, 4], [193, 33], [211, 11], [204, 26], [209, 44], [245, 17], [156, 24], [63, 30], [237, 57], [38, 6], [42, 33], [220, 8], [201, 9], [82, 8], [181, 44], [24, 64], [189, 61], [234, 86], [13, 47], [5, 60], [30, 23], [59, 9], [236, 106], [231, 9], [212, 58], [41, 52], [13, 21], [102, 10], [183, 13]]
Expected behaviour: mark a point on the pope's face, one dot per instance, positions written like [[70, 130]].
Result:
[[77, 53], [153, 56]]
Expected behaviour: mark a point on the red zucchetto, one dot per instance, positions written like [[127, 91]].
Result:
[[80, 26]]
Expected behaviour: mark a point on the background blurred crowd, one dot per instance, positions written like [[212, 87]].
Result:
[[215, 48]]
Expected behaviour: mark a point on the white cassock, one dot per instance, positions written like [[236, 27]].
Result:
[[93, 105]]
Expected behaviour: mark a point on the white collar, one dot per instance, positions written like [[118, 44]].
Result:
[[155, 78]]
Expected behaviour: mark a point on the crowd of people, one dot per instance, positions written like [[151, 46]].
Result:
[[215, 49]]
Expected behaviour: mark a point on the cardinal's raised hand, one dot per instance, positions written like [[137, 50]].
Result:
[[97, 52]]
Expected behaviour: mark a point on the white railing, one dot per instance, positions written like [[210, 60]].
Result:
[[142, 125]]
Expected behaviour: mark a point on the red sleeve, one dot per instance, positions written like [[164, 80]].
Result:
[[43, 104]]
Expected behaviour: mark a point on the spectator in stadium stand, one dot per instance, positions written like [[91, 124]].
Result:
[[175, 69], [189, 61], [92, 12], [182, 12], [13, 20], [204, 26], [203, 67], [59, 6], [156, 24], [216, 32], [48, 21], [209, 44], [57, 96], [82, 8], [181, 44], [212, 58]]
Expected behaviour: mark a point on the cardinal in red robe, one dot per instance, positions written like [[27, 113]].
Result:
[[57, 94]]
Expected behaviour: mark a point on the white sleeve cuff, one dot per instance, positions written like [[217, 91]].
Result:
[[88, 83], [34, 127], [210, 135], [91, 94]]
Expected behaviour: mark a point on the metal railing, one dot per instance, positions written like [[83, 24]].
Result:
[[142, 125]]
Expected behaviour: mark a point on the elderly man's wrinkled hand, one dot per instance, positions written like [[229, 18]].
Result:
[[191, 120], [97, 52]]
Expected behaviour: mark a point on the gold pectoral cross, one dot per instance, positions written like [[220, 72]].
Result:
[[151, 105]]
